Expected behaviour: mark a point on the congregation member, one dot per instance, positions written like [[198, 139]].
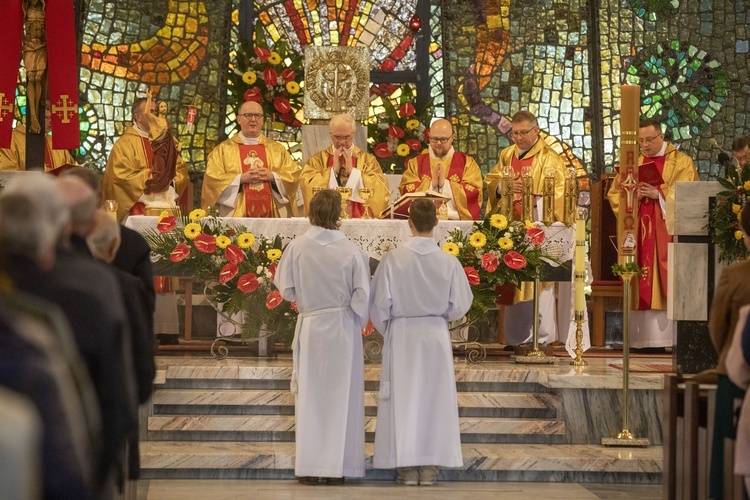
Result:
[[250, 175], [144, 169], [345, 165], [731, 293], [741, 150], [446, 171], [328, 277], [417, 289], [738, 369], [14, 158], [528, 151], [649, 325]]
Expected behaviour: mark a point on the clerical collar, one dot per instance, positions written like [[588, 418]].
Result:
[[249, 141], [521, 154], [140, 131], [662, 150], [433, 156]]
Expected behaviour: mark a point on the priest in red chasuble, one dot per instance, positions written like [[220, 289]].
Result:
[[446, 171], [344, 164], [14, 158], [144, 169], [649, 324], [250, 175]]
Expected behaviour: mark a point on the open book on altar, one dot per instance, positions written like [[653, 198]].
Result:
[[400, 207], [649, 174]]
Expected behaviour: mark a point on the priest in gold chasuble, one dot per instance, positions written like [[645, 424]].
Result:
[[344, 164], [144, 169], [14, 158], [250, 175], [649, 324], [447, 172]]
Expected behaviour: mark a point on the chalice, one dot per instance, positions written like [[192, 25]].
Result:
[[366, 193], [317, 190], [346, 193]]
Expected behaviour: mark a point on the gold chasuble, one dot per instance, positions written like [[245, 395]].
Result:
[[226, 162], [542, 156], [15, 157], [651, 292], [317, 174], [129, 166], [461, 171]]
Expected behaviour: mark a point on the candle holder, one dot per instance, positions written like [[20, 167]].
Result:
[[527, 194], [571, 197], [506, 187], [536, 356], [346, 193], [365, 193], [579, 361], [110, 206], [548, 196]]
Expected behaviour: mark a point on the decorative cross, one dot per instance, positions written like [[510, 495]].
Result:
[[64, 108], [5, 106], [629, 185]]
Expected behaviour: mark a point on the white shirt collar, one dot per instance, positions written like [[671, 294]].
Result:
[[421, 245], [250, 141], [140, 131], [324, 236]]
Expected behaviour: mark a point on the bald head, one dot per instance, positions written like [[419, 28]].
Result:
[[250, 119], [81, 200], [441, 137]]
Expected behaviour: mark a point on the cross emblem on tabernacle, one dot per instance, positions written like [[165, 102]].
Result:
[[5, 106], [64, 108], [629, 185]]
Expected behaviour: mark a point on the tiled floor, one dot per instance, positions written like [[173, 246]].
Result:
[[371, 490]]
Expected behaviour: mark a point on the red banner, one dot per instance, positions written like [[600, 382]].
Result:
[[10, 59], [63, 73]]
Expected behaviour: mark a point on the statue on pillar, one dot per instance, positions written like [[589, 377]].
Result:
[[35, 60]]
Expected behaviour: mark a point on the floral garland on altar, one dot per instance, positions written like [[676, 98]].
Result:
[[237, 267], [494, 253], [724, 219]]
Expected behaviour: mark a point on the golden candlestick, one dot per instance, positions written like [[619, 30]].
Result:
[[536, 355], [548, 196], [527, 194], [365, 193], [346, 193], [571, 197], [506, 197]]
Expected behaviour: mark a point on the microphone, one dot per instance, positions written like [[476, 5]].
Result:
[[726, 159]]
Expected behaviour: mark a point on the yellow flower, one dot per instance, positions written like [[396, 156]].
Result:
[[402, 150], [450, 248], [292, 87], [738, 235], [223, 241], [249, 77], [499, 221], [528, 224], [412, 124], [746, 185], [245, 240], [736, 208], [192, 230], [505, 243], [273, 254], [164, 213], [274, 58], [197, 214], [478, 240]]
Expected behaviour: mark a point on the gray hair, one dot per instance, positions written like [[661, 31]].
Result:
[[104, 239], [24, 228], [42, 189], [81, 201], [343, 119]]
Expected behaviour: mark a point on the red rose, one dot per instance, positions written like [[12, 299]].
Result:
[[234, 254], [282, 105], [228, 272], [395, 131], [490, 262], [270, 77], [288, 75], [514, 260], [167, 224], [262, 53], [179, 253], [382, 151], [273, 300], [272, 269], [253, 94], [414, 144], [536, 235], [406, 109], [205, 243], [472, 275], [247, 283]]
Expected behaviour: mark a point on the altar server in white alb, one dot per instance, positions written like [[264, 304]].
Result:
[[329, 278], [417, 289]]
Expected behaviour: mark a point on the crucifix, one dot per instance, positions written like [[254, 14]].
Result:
[[628, 187]]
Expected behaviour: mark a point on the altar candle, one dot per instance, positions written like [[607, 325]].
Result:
[[580, 265]]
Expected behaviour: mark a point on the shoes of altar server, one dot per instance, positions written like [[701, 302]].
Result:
[[413, 476], [331, 481]]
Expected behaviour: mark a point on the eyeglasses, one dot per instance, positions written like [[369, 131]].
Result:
[[250, 116], [441, 140], [648, 140], [521, 133], [343, 137]]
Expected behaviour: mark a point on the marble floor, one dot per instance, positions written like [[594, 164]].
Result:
[[377, 490]]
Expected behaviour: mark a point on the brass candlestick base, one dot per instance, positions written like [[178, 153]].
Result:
[[579, 361], [536, 356]]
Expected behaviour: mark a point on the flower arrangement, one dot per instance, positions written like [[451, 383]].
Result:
[[496, 252], [724, 217], [273, 78], [237, 267], [401, 134]]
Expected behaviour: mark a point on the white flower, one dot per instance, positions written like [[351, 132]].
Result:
[[261, 280], [269, 274], [460, 245], [259, 270]]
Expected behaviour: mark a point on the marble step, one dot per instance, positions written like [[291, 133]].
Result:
[[482, 462], [279, 402], [281, 428]]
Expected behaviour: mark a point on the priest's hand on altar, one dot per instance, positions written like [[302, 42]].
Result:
[[647, 191], [437, 184]]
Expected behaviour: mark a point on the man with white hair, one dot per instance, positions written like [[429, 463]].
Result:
[[344, 164]]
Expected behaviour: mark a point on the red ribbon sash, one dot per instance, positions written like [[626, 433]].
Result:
[[456, 168], [149, 153], [258, 197]]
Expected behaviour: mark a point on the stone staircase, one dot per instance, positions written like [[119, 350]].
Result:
[[236, 420]]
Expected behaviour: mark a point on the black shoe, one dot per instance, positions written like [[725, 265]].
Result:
[[649, 350]]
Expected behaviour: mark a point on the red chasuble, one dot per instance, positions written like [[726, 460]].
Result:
[[356, 209], [455, 173], [258, 197], [652, 233]]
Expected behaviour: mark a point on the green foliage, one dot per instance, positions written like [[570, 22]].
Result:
[[724, 219]]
